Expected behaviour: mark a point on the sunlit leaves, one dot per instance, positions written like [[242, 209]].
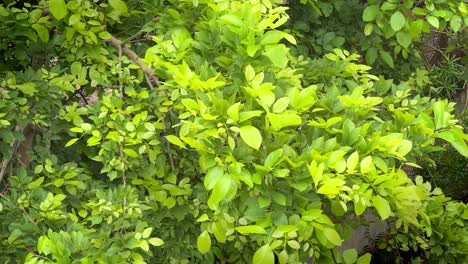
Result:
[[370, 13], [58, 8], [397, 21], [251, 136], [264, 255], [251, 229], [204, 242], [382, 206]]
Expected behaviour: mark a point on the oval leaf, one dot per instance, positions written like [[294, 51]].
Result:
[[264, 255], [58, 8], [204, 242], [382, 206], [251, 136], [251, 229]]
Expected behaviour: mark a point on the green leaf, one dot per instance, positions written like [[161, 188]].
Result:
[[382, 206], [220, 191], [42, 32], [176, 141], [251, 229], [58, 8], [75, 68], [285, 119], [130, 152], [371, 55], [364, 259], [350, 256], [232, 20], [264, 255], [204, 242], [147, 232], [251, 136], [433, 21], [119, 5], [387, 58], [33, 185], [143, 244], [332, 236], [281, 105], [368, 29], [157, 242], [273, 158], [105, 35], [370, 13], [212, 177], [75, 18], [71, 142], [455, 23], [404, 39], [233, 111], [456, 138], [352, 161], [366, 164], [397, 21], [279, 198], [277, 55], [294, 244]]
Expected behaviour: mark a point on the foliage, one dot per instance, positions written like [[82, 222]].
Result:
[[389, 34], [245, 152]]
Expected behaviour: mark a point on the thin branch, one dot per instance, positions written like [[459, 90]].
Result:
[[147, 70], [134, 36]]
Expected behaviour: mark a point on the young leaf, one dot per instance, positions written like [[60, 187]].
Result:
[[264, 255], [251, 136], [382, 206], [332, 236], [119, 5], [58, 8], [251, 229], [404, 39], [212, 177], [397, 21], [387, 58], [71, 142], [364, 259], [350, 256], [176, 141], [156, 241], [371, 56], [433, 21], [370, 13], [204, 242], [352, 161], [455, 23], [277, 54], [42, 32]]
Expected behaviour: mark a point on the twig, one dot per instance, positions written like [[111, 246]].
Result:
[[134, 36], [147, 70]]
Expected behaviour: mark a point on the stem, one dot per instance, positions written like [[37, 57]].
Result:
[[147, 70]]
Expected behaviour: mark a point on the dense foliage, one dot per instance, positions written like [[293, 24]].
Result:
[[198, 131]]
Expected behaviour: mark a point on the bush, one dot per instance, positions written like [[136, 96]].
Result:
[[219, 145]]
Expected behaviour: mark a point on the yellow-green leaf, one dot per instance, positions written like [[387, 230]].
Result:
[[204, 242], [251, 136]]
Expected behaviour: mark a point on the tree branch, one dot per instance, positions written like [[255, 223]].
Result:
[[147, 70]]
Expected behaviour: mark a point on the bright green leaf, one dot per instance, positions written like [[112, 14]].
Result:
[[251, 229], [397, 21], [264, 255], [382, 206], [251, 136], [370, 13], [204, 242], [58, 8]]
